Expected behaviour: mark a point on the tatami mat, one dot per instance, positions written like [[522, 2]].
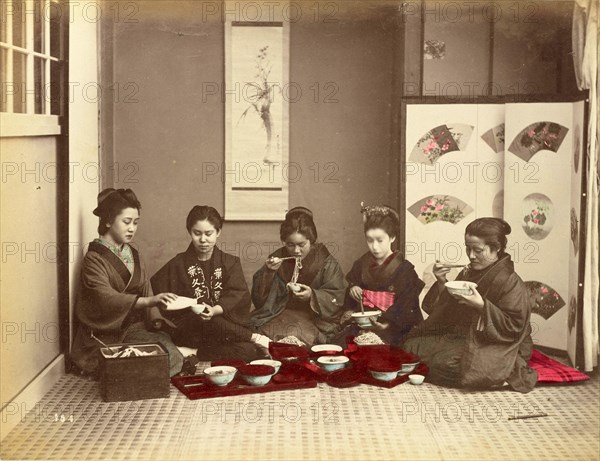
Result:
[[408, 422]]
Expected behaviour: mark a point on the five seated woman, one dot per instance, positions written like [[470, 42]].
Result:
[[480, 339]]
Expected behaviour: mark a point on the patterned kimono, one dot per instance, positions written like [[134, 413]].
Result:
[[466, 348], [105, 307], [397, 277], [279, 314], [219, 280]]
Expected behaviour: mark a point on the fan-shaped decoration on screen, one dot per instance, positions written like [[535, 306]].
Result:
[[574, 230], [538, 216], [546, 300], [439, 141], [440, 208], [576, 149], [498, 205], [572, 312], [494, 137], [536, 137]]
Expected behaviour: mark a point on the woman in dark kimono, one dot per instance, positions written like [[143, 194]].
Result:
[[214, 325], [383, 279], [115, 293], [309, 308], [481, 340]]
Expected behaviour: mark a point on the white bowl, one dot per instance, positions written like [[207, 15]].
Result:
[[294, 287], [332, 362], [408, 367], [221, 375], [326, 348], [257, 380], [384, 375], [364, 319], [416, 379], [461, 287], [272, 363]]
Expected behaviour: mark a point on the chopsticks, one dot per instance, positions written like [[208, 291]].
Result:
[[539, 415]]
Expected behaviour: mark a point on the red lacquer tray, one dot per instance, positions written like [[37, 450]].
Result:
[[357, 372], [290, 377]]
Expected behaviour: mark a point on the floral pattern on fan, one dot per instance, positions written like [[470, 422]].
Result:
[[494, 137], [536, 137], [546, 300], [538, 211], [440, 208], [439, 141]]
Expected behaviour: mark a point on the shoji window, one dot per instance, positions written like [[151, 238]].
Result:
[[30, 66]]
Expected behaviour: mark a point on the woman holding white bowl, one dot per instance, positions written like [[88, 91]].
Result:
[[480, 338]]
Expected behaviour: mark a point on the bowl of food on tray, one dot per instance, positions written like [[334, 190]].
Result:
[[272, 363], [364, 319], [461, 287], [331, 363], [408, 367], [257, 375], [384, 369], [220, 375]]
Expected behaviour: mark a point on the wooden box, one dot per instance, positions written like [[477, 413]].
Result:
[[134, 377]]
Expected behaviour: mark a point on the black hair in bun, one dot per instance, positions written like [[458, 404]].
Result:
[[203, 213], [111, 202], [492, 231], [298, 220]]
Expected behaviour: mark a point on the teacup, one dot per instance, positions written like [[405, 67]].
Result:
[[416, 379]]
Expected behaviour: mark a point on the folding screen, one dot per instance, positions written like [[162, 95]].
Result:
[[454, 174], [543, 209], [458, 168]]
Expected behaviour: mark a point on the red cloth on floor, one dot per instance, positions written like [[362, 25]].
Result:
[[551, 371]]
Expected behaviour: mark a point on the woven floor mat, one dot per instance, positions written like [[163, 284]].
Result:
[[408, 422]]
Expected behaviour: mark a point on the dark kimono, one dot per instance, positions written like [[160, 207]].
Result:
[[105, 308], [217, 281], [395, 275], [467, 348], [277, 313]]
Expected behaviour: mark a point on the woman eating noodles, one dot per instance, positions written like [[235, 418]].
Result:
[[300, 290]]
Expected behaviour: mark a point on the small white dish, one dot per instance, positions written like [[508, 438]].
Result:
[[182, 302], [326, 348], [416, 379]]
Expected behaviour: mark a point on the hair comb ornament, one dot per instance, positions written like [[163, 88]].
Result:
[[382, 210]]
